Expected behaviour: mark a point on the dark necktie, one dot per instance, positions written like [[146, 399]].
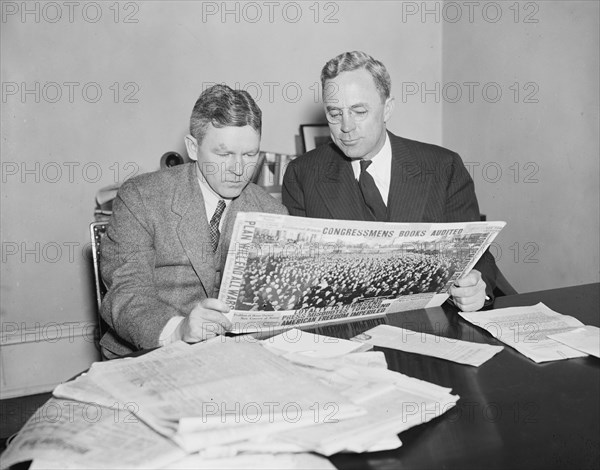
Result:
[[371, 193], [214, 225]]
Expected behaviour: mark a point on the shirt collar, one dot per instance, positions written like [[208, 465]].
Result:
[[211, 198], [381, 162]]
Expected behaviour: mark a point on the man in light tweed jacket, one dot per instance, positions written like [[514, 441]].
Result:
[[168, 238]]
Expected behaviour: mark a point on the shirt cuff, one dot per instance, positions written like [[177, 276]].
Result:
[[170, 332]]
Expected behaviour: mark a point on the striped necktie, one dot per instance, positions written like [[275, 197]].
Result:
[[214, 225]]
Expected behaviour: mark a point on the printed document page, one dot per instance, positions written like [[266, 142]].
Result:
[[221, 390], [463, 352], [585, 339], [80, 435], [312, 345], [527, 328]]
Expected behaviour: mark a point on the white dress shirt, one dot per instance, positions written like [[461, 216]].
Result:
[[211, 199], [380, 169]]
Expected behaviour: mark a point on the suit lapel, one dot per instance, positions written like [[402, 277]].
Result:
[[193, 230], [408, 187], [339, 188]]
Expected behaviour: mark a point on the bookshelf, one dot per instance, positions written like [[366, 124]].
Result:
[[272, 167]]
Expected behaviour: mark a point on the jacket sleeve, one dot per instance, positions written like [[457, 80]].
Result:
[[292, 193], [462, 206], [131, 306]]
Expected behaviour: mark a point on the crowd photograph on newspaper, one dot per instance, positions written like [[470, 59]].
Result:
[[297, 270]]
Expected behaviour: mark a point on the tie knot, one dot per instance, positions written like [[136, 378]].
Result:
[[218, 212], [364, 164]]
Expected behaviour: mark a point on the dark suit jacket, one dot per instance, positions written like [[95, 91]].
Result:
[[428, 184], [156, 258]]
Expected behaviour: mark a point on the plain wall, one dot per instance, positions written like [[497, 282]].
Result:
[[161, 63], [58, 151], [534, 150]]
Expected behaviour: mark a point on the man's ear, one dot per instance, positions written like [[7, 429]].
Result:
[[388, 108], [191, 144]]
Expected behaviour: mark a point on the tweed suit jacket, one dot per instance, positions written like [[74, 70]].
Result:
[[157, 259], [428, 184]]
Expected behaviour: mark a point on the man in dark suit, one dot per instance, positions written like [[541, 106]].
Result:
[[168, 237], [368, 173]]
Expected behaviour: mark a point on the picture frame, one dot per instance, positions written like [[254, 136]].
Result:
[[314, 135]]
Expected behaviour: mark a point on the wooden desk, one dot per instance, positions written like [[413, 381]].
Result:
[[512, 412]]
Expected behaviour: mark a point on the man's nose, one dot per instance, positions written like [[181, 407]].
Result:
[[235, 164], [347, 122]]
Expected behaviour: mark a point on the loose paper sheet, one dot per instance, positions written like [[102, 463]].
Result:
[[463, 352], [255, 461], [79, 435], [311, 345], [527, 328], [222, 390], [585, 339]]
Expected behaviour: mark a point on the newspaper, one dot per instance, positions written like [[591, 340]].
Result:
[[78, 435], [218, 391], [285, 271], [207, 400]]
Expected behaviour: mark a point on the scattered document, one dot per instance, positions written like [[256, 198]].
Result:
[[81, 435], [312, 345], [220, 391], [87, 390], [228, 403], [527, 329], [585, 339], [463, 352], [302, 461], [403, 402]]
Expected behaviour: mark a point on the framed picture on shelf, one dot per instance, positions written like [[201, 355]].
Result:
[[314, 135]]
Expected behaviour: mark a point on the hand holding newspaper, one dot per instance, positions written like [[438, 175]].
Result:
[[285, 271]]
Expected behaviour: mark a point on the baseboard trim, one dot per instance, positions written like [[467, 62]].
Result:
[[29, 390]]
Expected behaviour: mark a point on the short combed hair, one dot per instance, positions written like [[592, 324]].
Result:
[[223, 106], [349, 61]]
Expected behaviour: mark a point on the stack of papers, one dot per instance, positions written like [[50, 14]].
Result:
[[530, 330], [225, 402]]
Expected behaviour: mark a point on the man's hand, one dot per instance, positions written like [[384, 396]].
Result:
[[205, 321], [468, 292]]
